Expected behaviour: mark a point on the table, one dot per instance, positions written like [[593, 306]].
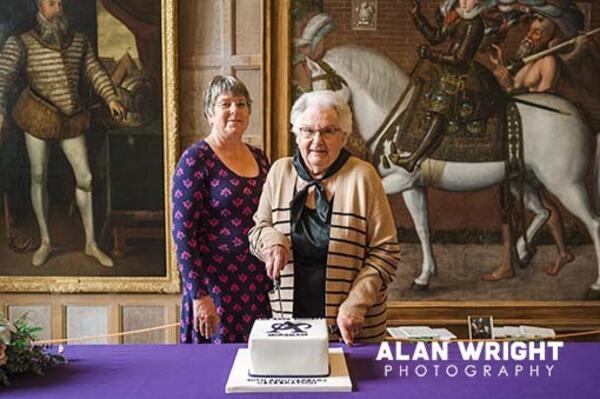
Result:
[[201, 371], [135, 184]]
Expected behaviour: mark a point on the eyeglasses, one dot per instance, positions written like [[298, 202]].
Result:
[[224, 104], [326, 133]]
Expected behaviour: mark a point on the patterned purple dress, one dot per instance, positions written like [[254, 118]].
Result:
[[212, 214]]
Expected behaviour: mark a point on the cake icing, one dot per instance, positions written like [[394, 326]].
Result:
[[293, 347]]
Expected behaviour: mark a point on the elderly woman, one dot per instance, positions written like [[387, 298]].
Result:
[[216, 189], [324, 226]]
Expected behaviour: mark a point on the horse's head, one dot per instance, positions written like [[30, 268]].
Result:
[[323, 77]]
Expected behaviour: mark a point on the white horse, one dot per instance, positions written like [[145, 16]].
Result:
[[556, 150]]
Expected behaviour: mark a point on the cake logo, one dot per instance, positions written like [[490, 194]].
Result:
[[289, 328]]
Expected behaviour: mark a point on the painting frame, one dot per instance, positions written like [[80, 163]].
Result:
[[563, 316], [169, 282]]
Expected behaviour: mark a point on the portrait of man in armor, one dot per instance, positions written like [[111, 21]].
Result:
[[79, 105], [50, 109]]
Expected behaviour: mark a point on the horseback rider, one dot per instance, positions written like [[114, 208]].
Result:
[[460, 93]]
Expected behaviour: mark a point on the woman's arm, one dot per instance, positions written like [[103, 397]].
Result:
[[187, 198], [382, 255], [263, 237]]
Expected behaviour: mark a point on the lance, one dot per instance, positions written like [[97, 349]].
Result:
[[538, 105], [548, 51]]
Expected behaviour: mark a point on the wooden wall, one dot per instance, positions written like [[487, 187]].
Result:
[[220, 37], [71, 316]]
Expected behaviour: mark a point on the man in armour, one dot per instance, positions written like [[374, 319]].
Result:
[[460, 91], [55, 59]]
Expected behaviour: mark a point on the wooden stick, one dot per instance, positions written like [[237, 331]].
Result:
[[553, 49]]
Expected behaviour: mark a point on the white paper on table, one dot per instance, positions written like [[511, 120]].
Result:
[[536, 332], [512, 331], [444, 334], [418, 332], [507, 332], [500, 332], [396, 332]]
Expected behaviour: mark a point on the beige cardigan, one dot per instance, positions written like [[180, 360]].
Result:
[[363, 247]]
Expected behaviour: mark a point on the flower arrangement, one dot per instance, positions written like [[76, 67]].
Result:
[[18, 351]]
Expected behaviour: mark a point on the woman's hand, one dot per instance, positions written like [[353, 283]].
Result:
[[206, 317], [275, 257], [349, 326]]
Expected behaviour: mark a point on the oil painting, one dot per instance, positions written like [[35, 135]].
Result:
[[87, 106], [481, 117]]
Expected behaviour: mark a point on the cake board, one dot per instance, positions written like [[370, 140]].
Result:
[[338, 381]]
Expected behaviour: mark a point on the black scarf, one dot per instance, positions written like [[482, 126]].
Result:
[[297, 204]]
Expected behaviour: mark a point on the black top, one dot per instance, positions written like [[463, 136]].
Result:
[[310, 240]]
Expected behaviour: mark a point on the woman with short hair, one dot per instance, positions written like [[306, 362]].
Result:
[[216, 188], [324, 227]]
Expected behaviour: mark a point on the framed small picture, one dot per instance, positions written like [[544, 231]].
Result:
[[481, 327], [364, 15]]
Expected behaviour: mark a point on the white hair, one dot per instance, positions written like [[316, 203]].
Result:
[[322, 99]]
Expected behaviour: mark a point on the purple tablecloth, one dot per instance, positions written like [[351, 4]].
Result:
[[201, 371]]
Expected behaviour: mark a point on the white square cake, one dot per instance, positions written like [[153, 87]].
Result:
[[294, 347]]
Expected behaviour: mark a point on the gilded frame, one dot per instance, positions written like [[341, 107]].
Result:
[[169, 283], [561, 315]]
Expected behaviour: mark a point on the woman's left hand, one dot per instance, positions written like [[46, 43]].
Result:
[[349, 326], [206, 317]]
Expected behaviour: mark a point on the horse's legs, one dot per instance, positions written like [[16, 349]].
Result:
[[575, 198], [533, 202], [399, 181], [416, 202]]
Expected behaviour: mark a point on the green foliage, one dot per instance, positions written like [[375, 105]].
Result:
[[18, 352]]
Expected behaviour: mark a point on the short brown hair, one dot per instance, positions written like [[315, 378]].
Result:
[[224, 84]]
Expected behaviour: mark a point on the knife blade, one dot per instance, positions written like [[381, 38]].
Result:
[[277, 286]]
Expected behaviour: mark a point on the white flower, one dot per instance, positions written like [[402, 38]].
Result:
[[5, 333]]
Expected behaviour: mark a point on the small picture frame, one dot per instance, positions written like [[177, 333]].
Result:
[[481, 327], [364, 15]]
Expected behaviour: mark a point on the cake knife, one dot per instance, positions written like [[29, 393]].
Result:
[[277, 286]]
